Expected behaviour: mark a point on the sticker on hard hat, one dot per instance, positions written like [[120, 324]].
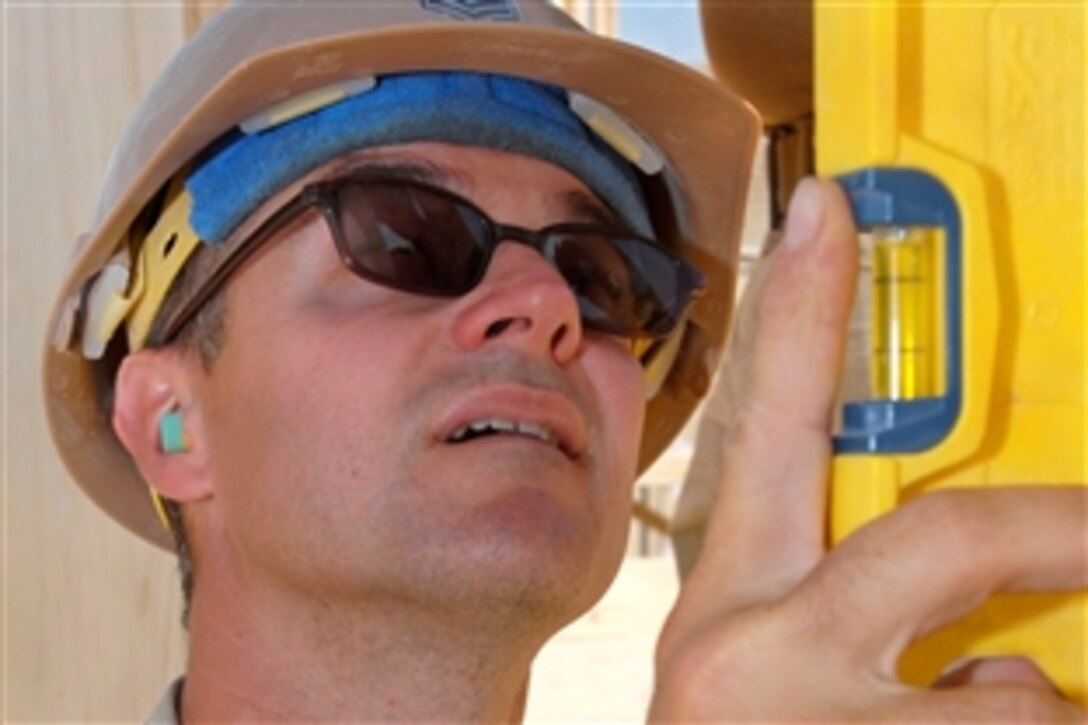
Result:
[[474, 9], [617, 133], [305, 103]]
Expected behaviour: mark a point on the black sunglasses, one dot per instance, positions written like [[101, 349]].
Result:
[[423, 239]]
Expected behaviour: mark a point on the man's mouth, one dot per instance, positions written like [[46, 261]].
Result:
[[494, 426], [533, 415], [503, 426]]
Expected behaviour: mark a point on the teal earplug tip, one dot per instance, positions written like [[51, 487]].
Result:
[[172, 433]]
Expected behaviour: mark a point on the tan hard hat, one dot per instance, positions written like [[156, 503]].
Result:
[[254, 55]]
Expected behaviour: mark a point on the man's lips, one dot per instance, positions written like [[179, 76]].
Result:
[[512, 409]]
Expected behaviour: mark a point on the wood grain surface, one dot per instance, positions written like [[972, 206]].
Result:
[[91, 613]]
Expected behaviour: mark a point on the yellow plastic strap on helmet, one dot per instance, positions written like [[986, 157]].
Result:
[[165, 250], [657, 361], [115, 299], [160, 509]]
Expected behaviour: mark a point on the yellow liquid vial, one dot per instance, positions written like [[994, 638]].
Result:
[[906, 295]]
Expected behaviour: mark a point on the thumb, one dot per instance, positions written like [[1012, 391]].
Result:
[[767, 525]]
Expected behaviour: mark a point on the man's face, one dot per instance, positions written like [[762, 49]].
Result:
[[331, 410]]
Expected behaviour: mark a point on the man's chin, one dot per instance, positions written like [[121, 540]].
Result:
[[527, 551]]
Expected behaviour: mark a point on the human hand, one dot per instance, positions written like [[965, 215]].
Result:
[[771, 625]]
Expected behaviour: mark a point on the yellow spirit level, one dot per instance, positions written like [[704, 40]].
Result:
[[958, 131]]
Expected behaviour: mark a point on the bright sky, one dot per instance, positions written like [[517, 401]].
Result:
[[670, 27]]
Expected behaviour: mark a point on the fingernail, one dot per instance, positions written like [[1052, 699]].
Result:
[[805, 215]]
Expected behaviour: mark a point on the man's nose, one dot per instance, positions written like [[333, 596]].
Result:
[[521, 301]]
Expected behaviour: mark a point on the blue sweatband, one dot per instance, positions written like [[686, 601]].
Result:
[[475, 109]]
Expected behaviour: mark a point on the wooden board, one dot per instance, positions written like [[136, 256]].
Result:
[[92, 613]]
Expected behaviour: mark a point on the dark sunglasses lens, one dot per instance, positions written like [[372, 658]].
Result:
[[411, 239], [624, 286]]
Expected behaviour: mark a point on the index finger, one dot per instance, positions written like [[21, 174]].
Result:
[[939, 557]]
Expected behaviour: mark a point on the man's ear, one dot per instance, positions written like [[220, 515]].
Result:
[[157, 417]]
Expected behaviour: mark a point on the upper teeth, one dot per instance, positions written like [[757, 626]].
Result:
[[506, 426]]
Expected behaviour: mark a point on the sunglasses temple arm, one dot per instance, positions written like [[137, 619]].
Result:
[[223, 271]]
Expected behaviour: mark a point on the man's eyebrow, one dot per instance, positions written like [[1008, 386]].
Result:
[[393, 167], [583, 205], [419, 170]]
